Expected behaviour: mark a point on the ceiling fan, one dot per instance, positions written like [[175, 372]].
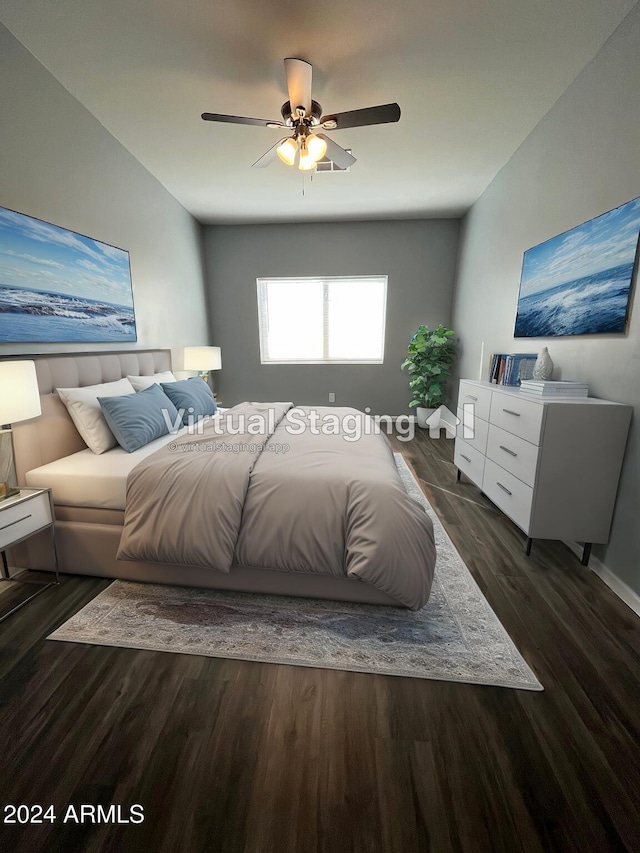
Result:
[[303, 117]]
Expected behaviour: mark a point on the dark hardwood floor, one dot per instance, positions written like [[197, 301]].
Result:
[[237, 756]]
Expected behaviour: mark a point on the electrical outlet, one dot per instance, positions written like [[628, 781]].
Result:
[[332, 397]]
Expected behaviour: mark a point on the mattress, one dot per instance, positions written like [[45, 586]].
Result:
[[85, 479]]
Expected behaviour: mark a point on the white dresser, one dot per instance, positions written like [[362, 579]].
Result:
[[552, 466]]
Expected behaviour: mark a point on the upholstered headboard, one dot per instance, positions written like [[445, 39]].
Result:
[[53, 435]]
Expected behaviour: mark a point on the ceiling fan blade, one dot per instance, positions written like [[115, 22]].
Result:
[[241, 120], [383, 114], [337, 154], [269, 157], [298, 84]]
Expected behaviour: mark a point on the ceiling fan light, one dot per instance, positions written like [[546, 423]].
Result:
[[317, 147], [307, 162], [287, 150]]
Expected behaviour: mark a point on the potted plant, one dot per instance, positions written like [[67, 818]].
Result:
[[429, 358]]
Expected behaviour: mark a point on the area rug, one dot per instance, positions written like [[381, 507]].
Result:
[[456, 637]]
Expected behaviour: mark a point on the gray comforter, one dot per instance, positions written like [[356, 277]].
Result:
[[263, 489]]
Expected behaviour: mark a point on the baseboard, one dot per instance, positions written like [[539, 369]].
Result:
[[615, 584]]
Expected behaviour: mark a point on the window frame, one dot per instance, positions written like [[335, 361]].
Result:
[[325, 279]]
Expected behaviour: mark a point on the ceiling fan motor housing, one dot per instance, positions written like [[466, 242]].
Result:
[[290, 120]]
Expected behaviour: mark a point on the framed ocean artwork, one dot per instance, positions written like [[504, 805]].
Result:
[[57, 286], [580, 282]]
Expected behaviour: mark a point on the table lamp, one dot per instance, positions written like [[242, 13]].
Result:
[[19, 401], [202, 359]]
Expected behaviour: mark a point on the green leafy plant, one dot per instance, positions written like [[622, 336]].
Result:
[[430, 355]]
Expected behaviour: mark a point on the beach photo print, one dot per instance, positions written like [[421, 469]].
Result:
[[57, 286], [579, 283]]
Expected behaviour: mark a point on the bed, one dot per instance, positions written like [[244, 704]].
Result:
[[90, 500]]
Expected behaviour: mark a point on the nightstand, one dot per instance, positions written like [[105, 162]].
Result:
[[22, 516]]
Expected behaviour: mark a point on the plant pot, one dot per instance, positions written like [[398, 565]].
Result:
[[423, 415]]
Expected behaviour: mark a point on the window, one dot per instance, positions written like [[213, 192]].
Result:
[[318, 320]]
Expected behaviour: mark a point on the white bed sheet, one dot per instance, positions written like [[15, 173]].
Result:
[[86, 479]]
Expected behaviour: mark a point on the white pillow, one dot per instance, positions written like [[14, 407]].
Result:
[[85, 411], [141, 382]]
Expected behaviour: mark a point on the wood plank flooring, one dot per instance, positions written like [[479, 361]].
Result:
[[258, 758]]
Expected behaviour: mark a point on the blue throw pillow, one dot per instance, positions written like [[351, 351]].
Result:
[[136, 419], [192, 396]]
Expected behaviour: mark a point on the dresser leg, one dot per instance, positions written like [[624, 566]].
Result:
[[458, 476], [586, 553], [5, 567], [527, 549]]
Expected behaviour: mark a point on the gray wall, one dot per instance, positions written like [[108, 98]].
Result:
[[418, 256], [580, 161], [58, 163]]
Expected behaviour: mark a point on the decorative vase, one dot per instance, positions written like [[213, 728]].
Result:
[[543, 368], [423, 415]]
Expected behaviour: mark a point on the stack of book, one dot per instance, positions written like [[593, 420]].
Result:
[[511, 368], [555, 388]]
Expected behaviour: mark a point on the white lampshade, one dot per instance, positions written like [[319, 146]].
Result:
[[307, 160], [287, 151], [317, 146], [202, 358], [19, 394]]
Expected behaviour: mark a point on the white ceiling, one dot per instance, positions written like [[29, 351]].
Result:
[[473, 78]]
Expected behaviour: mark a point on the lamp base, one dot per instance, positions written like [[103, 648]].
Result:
[[8, 491], [8, 481]]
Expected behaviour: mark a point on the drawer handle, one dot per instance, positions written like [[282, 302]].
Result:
[[466, 458], [17, 521], [504, 488], [506, 450], [511, 412], [471, 397]]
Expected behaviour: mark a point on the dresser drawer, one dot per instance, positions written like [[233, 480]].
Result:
[[469, 461], [23, 518], [473, 431], [520, 417], [513, 453], [508, 493], [478, 396]]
